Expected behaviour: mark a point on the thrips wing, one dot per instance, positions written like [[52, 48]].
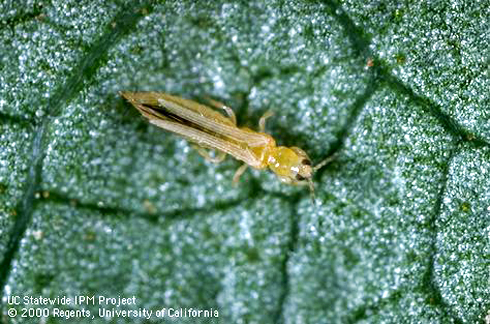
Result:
[[207, 140], [159, 103], [250, 138], [151, 99]]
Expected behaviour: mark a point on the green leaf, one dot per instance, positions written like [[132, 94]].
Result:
[[94, 201]]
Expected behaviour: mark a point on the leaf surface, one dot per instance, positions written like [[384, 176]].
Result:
[[94, 201]]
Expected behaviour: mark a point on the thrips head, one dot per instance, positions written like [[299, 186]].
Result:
[[305, 171], [305, 174], [292, 165], [301, 169]]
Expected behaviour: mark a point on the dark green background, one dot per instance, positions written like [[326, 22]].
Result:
[[94, 201]]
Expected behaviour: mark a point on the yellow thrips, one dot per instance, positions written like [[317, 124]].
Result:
[[210, 129]]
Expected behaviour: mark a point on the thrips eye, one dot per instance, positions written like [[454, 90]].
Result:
[[300, 177], [306, 162]]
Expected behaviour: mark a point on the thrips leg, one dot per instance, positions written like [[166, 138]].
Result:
[[205, 154], [219, 105], [238, 173], [262, 120], [230, 113]]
